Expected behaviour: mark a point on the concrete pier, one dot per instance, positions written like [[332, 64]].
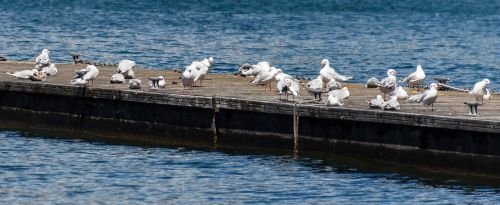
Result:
[[230, 112]]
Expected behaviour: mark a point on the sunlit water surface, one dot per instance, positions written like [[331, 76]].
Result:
[[459, 39]]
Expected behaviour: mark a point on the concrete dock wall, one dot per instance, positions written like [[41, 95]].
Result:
[[436, 142]]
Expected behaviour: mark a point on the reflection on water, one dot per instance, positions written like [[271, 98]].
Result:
[[36, 168]]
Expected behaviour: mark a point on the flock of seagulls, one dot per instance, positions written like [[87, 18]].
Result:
[[328, 81]]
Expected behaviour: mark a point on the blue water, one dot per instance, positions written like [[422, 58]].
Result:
[[459, 39], [36, 169]]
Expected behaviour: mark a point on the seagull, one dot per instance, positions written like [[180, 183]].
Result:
[[42, 60], [125, 67], [265, 77], [134, 84], [391, 104], [372, 83], [188, 77], [333, 85], [157, 82], [315, 87], [162, 83], [480, 90], [376, 102], [84, 75], [254, 70], [50, 70], [400, 93], [388, 84], [288, 86], [201, 71], [415, 78], [328, 73], [24, 74], [340, 93], [117, 78], [426, 98], [333, 100], [208, 62]]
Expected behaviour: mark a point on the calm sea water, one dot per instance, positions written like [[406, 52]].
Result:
[[36, 169], [459, 39]]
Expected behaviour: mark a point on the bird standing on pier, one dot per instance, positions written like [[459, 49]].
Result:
[[24, 74], [125, 67], [157, 82], [328, 73], [188, 77], [208, 62], [426, 98], [83, 76], [288, 86], [415, 78], [480, 90], [388, 84], [42, 60], [315, 87], [201, 71]]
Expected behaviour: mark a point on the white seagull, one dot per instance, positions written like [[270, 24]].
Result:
[[340, 93], [254, 70], [315, 87], [43, 59], [288, 86], [117, 78], [328, 73], [208, 62], [415, 78], [426, 98], [201, 71], [24, 74], [391, 104], [265, 77], [388, 84], [125, 68], [400, 93], [333, 100], [50, 70], [83, 76], [376, 102], [188, 77], [480, 90]]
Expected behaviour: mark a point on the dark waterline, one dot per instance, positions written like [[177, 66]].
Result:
[[65, 170], [458, 39]]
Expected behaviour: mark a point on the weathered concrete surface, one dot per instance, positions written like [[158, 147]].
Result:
[[229, 111]]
